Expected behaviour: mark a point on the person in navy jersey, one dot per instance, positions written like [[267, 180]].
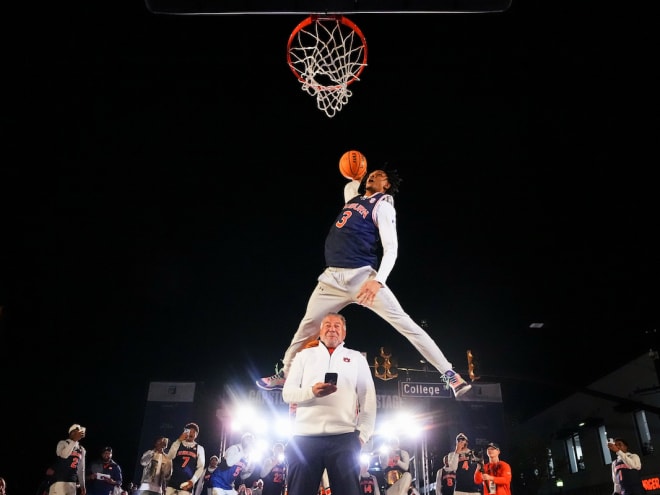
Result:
[[368, 481], [354, 273], [464, 463], [188, 461], [69, 468], [273, 471], [235, 464], [445, 479]]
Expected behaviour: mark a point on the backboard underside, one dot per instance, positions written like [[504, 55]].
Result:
[[307, 7]]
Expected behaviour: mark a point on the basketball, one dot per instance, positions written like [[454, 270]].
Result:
[[353, 165]]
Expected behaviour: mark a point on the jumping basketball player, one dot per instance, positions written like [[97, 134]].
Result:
[[355, 275]]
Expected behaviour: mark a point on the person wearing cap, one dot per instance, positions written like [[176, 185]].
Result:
[[156, 468], [69, 467], [463, 462], [396, 464], [235, 464], [204, 485], [104, 474], [188, 461], [445, 478], [625, 469], [495, 476]]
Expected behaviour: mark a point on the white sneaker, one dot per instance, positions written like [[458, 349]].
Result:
[[457, 383], [273, 382]]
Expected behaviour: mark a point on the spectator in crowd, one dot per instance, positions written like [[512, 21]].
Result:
[[445, 479], [396, 464], [104, 474], [203, 486], [235, 464], [258, 487], [273, 471], [464, 463], [625, 469], [368, 481], [156, 469], [188, 461], [244, 490], [44, 486], [495, 475], [69, 468]]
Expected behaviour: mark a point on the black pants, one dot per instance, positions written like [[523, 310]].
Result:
[[309, 456]]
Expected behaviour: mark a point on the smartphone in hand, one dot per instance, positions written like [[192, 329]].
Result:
[[331, 378]]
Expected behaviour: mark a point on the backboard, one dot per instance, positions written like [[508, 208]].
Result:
[[326, 51], [307, 7]]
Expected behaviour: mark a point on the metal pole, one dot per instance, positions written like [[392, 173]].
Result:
[[222, 415], [223, 439], [424, 487]]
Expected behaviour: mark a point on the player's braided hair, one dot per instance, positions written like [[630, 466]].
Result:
[[392, 177], [394, 180]]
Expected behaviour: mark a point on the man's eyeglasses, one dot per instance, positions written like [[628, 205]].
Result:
[[461, 439]]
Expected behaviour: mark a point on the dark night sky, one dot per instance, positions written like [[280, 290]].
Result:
[[170, 188]]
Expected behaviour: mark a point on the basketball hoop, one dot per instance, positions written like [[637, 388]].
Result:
[[327, 53]]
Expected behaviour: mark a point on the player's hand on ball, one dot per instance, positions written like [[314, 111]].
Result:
[[353, 165]]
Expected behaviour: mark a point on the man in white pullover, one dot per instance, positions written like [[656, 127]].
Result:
[[332, 421]]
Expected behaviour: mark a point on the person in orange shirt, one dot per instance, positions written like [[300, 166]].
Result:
[[495, 475]]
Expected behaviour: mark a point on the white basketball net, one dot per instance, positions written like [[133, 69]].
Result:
[[327, 56]]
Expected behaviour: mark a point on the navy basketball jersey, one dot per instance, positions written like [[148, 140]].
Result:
[[353, 239], [274, 481], [465, 474], [368, 485], [67, 469], [447, 482], [184, 465]]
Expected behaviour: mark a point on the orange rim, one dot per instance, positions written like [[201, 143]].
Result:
[[322, 17]]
